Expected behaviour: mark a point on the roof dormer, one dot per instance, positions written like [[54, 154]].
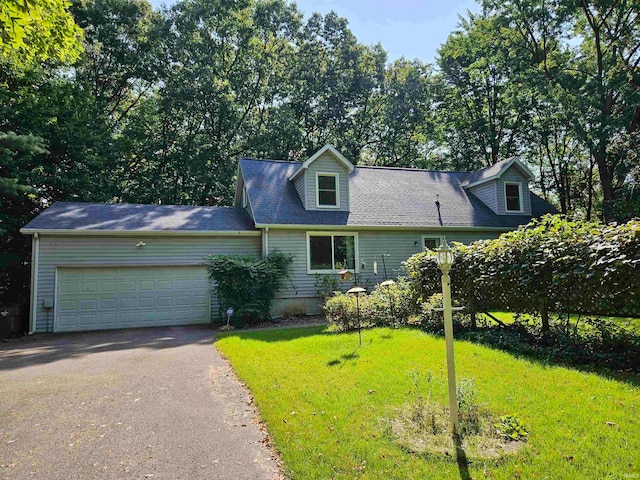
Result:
[[503, 187], [322, 181]]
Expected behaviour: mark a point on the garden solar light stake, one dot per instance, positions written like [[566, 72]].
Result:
[[357, 291]]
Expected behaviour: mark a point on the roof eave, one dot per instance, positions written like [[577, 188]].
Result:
[[87, 232], [528, 173], [327, 148], [300, 226]]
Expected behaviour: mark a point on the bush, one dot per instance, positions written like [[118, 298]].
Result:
[[375, 308], [432, 319], [247, 284], [550, 265]]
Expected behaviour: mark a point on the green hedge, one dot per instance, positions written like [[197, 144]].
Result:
[[551, 265], [248, 284]]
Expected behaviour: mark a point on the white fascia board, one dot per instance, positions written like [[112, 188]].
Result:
[[157, 233], [528, 173], [327, 148]]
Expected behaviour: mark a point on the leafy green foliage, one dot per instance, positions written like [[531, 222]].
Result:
[[37, 31], [247, 284], [326, 285], [386, 305], [511, 428], [552, 264], [470, 411]]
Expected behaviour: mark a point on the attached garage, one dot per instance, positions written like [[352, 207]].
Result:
[[100, 267], [126, 297]]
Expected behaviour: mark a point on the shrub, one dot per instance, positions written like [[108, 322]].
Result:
[[549, 265], [247, 284], [432, 319], [390, 305], [326, 285], [470, 411]]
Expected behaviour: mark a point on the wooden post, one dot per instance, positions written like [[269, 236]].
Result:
[[451, 366]]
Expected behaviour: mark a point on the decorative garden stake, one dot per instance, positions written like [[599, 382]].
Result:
[[388, 283], [357, 291], [444, 257], [229, 313]]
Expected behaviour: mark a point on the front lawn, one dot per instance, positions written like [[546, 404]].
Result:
[[325, 400]]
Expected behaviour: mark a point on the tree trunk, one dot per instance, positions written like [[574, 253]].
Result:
[[606, 182], [544, 314]]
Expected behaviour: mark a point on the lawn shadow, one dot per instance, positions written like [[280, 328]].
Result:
[[343, 359], [461, 458], [276, 334], [545, 358]]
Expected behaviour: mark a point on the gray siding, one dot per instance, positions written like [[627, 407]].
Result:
[[513, 175], [326, 164], [399, 246], [56, 251], [486, 193], [299, 184]]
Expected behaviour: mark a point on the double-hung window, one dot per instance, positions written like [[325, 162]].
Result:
[[328, 195], [513, 197], [330, 252]]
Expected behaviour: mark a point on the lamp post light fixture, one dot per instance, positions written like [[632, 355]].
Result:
[[388, 283], [445, 258], [357, 291]]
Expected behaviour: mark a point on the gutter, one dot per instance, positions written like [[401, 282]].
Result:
[[383, 227], [35, 256]]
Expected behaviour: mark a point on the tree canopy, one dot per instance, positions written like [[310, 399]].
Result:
[[112, 100]]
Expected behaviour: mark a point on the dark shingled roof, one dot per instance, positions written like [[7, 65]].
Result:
[[379, 196], [142, 218]]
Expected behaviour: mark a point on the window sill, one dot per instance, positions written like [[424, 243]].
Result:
[[328, 272]]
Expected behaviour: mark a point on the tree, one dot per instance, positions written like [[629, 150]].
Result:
[[598, 79], [405, 121], [483, 107], [37, 31]]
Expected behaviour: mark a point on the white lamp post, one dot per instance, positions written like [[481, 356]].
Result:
[[444, 257]]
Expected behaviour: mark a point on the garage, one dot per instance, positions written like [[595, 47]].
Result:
[[108, 266], [127, 297]]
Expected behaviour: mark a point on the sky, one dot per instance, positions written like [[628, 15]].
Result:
[[409, 28]]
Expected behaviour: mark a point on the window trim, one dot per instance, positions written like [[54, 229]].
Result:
[[332, 234], [520, 194], [327, 174], [429, 236]]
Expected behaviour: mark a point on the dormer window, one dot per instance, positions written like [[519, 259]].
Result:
[[245, 199], [327, 190], [513, 197]]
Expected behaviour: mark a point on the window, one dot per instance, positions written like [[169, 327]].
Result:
[[431, 241], [513, 197], [245, 201], [327, 190], [328, 252]]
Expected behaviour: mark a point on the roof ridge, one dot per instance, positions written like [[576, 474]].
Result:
[[410, 169], [127, 204], [270, 160]]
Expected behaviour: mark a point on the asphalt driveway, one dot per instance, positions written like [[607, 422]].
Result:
[[146, 404]]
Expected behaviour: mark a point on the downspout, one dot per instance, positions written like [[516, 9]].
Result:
[[35, 256], [266, 242]]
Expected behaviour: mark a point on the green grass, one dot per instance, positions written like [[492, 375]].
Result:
[[324, 399]]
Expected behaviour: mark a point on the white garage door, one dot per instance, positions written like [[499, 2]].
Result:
[[105, 298]]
